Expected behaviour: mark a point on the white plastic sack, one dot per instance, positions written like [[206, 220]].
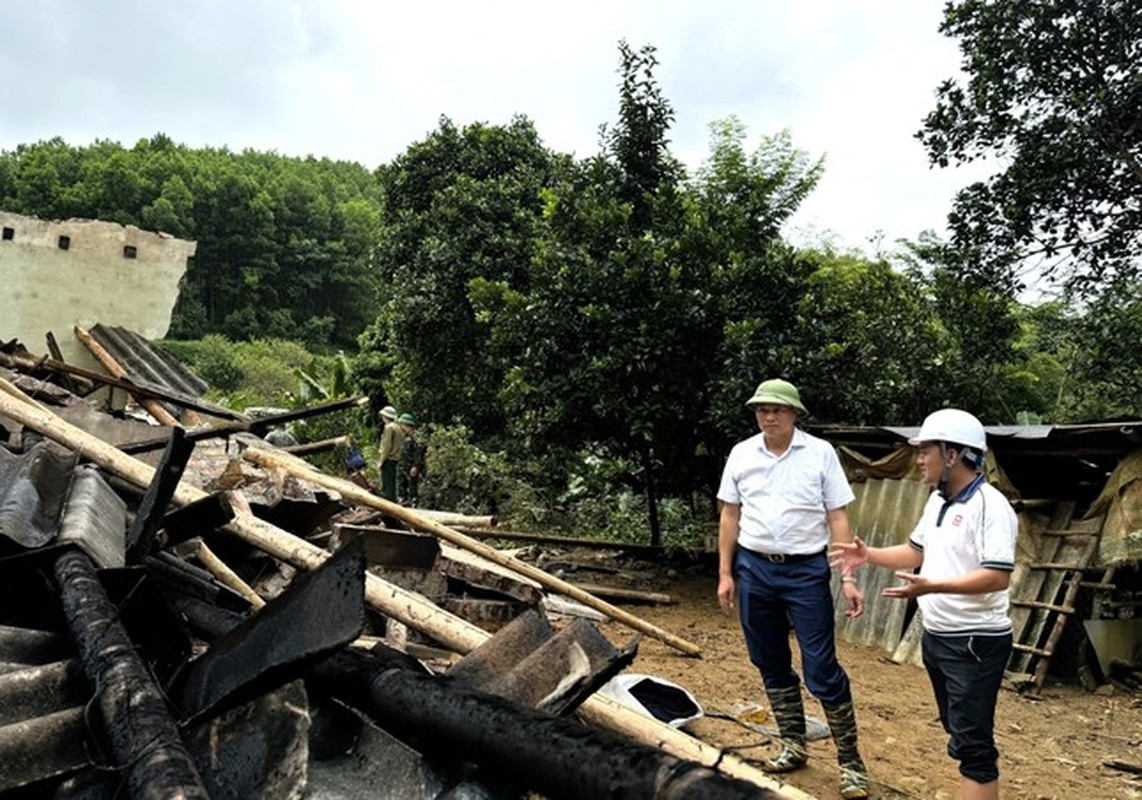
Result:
[[655, 697]]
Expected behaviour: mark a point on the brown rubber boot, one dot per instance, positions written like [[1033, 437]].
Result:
[[789, 713], [854, 774]]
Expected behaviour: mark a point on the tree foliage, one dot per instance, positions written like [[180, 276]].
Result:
[[583, 333], [462, 207], [1053, 92], [284, 244]]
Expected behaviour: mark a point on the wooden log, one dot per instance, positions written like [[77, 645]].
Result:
[[413, 517], [455, 520], [319, 446], [28, 363], [154, 407], [228, 577], [258, 427], [570, 541], [631, 595], [386, 598]]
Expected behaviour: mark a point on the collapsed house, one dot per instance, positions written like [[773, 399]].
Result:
[[59, 273], [190, 610], [1077, 492]]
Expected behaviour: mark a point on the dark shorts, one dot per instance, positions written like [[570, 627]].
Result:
[[966, 672]]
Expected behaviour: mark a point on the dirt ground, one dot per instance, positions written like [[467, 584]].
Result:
[[1052, 747]]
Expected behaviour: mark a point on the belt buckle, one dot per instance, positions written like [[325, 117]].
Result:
[[776, 558]]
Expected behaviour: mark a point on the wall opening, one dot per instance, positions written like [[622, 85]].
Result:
[[129, 251], [9, 234], [64, 242]]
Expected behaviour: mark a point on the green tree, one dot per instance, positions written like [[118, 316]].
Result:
[[462, 206], [867, 342], [1053, 92]]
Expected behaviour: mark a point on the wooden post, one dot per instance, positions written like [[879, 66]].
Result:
[[352, 491], [154, 407], [389, 599]]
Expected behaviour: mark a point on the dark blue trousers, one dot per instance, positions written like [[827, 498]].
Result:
[[795, 595], [966, 673]]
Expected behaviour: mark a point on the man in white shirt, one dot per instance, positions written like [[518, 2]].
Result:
[[964, 545], [783, 495]]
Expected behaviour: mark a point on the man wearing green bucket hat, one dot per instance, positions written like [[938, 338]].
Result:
[[783, 496], [411, 466], [392, 440]]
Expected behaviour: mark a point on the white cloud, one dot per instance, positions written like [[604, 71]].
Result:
[[361, 80]]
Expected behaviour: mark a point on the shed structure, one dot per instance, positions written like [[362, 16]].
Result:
[[1077, 492]]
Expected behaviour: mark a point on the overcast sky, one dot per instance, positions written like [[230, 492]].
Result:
[[362, 79]]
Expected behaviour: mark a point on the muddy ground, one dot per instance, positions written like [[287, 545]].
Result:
[[1052, 747]]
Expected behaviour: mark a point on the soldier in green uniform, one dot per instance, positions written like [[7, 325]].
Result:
[[392, 440], [411, 466]]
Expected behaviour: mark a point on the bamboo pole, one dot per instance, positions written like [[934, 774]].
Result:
[[8, 387], [319, 446], [355, 493], [221, 570], [408, 607], [154, 407]]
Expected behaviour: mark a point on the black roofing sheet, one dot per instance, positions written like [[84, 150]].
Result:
[[146, 363]]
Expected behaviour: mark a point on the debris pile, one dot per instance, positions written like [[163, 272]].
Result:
[[191, 611]]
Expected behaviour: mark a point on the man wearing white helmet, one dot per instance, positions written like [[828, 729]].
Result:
[[964, 545], [783, 495]]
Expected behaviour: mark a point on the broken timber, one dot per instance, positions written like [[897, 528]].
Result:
[[404, 606], [552, 755], [410, 516], [33, 364], [154, 407], [255, 426]]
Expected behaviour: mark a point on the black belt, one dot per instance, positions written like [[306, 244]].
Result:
[[785, 558]]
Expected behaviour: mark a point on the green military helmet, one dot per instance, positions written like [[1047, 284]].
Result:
[[776, 392], [407, 419]]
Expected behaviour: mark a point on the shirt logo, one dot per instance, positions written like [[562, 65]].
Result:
[[958, 520]]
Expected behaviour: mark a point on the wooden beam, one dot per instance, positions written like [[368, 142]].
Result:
[[319, 446], [154, 407], [389, 599], [26, 363], [547, 538], [409, 516], [254, 426]]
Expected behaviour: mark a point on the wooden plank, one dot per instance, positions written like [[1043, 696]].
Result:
[[154, 407], [390, 600], [1035, 585], [630, 595], [1044, 606], [1068, 600]]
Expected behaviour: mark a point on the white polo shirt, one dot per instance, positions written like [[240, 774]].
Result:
[[974, 530], [784, 498]]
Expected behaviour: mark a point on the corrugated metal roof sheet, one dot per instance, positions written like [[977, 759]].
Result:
[[883, 514], [146, 363]]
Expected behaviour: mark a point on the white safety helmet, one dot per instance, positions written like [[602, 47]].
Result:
[[954, 426]]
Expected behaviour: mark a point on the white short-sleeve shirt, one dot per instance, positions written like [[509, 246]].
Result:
[[784, 499], [974, 530]]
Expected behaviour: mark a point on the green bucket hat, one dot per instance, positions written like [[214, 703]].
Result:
[[777, 392], [407, 419]]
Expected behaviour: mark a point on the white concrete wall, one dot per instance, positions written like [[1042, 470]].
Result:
[[45, 288]]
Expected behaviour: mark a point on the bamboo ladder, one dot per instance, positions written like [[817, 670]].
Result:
[[1049, 591]]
